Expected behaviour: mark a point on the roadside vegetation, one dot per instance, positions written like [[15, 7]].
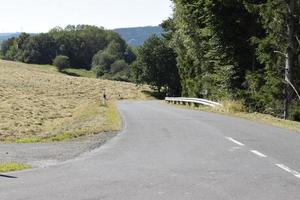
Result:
[[240, 57], [8, 167], [237, 109], [39, 104], [249, 56]]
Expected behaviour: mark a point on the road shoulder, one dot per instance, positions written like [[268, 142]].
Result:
[[47, 154]]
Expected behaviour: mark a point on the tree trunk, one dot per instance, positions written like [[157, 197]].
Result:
[[290, 58]]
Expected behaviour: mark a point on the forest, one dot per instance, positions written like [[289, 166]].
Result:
[[242, 50]]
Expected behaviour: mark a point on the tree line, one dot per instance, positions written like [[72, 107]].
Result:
[[245, 50], [83, 46]]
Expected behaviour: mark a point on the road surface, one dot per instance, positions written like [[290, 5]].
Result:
[[167, 153]]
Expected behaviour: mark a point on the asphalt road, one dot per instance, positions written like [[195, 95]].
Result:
[[169, 153]]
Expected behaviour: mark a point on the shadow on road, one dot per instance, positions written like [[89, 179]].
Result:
[[6, 176]]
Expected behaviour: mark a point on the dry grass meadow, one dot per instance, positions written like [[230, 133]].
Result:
[[39, 104]]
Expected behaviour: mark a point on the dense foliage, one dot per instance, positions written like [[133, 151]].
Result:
[[227, 50], [156, 66], [79, 43], [114, 61], [61, 62]]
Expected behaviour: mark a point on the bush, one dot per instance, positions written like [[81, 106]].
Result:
[[61, 62], [103, 60], [295, 114], [98, 71], [232, 106], [118, 66]]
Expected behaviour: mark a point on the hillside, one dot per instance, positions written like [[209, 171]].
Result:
[[133, 36], [136, 36], [38, 102]]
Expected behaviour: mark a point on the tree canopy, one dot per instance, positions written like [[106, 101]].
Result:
[[156, 66], [80, 43], [236, 50]]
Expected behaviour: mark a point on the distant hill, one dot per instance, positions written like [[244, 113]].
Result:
[[5, 36], [133, 36], [137, 36]]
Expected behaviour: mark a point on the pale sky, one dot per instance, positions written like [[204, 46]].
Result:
[[35, 16]]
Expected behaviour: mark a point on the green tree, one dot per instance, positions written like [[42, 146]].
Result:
[[118, 66], [116, 49], [137, 71], [61, 62], [102, 62], [21, 42], [129, 55], [213, 52], [40, 49], [158, 66], [8, 49], [80, 43], [276, 50]]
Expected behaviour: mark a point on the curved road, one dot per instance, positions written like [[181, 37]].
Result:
[[167, 153]]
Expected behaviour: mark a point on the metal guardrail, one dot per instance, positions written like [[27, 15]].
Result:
[[193, 100]]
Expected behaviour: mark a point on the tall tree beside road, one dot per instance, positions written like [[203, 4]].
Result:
[[212, 41], [243, 49], [278, 51], [156, 66]]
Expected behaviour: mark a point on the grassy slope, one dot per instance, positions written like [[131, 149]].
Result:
[[39, 104], [258, 117], [80, 73]]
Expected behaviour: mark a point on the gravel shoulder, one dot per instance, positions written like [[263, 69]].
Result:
[[46, 154]]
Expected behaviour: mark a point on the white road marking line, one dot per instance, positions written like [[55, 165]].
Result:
[[259, 154], [235, 141], [287, 169]]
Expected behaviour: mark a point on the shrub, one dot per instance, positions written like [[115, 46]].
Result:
[[61, 62], [98, 71], [118, 66], [232, 106], [103, 60], [295, 114]]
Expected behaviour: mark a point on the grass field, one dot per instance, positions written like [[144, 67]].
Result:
[[37, 103], [80, 73], [8, 167]]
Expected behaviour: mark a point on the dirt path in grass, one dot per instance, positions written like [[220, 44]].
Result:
[[46, 154]]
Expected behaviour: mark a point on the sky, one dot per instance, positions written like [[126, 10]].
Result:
[[35, 16]]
